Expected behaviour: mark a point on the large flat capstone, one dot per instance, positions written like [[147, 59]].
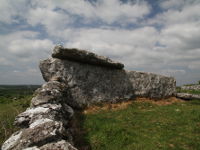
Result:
[[84, 56]]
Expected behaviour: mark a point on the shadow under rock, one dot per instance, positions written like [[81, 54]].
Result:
[[79, 133]]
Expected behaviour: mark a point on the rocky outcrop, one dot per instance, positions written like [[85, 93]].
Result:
[[84, 56], [75, 79], [88, 84], [191, 87], [188, 96]]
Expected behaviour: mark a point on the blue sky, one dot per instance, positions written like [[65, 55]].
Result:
[[159, 36]]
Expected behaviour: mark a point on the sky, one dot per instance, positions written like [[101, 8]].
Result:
[[158, 36]]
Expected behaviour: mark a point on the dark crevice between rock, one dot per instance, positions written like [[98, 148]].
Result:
[[78, 132]]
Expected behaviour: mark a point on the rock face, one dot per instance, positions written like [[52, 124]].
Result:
[[84, 56], [76, 79], [88, 84], [151, 85]]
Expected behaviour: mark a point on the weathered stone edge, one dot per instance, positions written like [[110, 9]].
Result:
[[187, 96], [46, 124], [85, 56]]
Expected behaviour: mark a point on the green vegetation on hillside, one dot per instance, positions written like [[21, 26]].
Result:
[[13, 100], [144, 126]]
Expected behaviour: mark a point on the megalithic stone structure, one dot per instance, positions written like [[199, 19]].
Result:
[[76, 79]]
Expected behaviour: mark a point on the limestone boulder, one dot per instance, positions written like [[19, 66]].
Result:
[[88, 84], [152, 85]]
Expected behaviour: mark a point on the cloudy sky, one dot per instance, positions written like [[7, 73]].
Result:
[[159, 36]]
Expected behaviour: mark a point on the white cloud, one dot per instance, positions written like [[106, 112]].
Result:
[[11, 11], [29, 47], [52, 21], [4, 62], [24, 44], [20, 54], [177, 4], [178, 12], [135, 47], [181, 36], [107, 11], [115, 36]]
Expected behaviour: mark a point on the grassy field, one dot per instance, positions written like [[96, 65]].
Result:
[[13, 100], [143, 126]]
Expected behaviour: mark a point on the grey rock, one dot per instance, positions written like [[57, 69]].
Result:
[[152, 85], [50, 92], [84, 56], [191, 87], [188, 96], [58, 145], [40, 132], [55, 112], [89, 84], [13, 140]]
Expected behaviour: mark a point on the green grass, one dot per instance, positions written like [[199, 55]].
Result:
[[144, 126], [13, 100]]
